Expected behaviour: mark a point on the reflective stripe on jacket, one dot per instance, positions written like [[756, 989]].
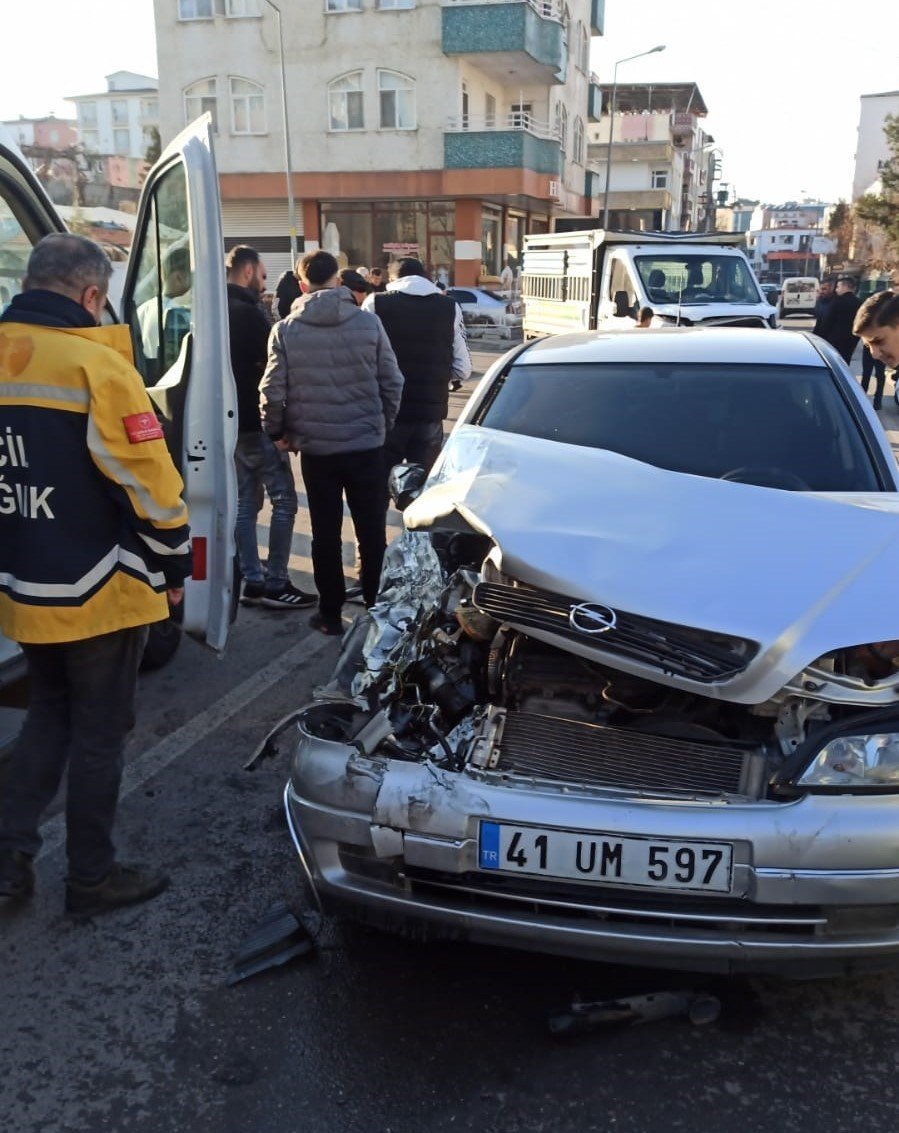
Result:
[[92, 525]]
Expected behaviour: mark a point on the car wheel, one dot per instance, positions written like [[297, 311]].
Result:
[[162, 644]]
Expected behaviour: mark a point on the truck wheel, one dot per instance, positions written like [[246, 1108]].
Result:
[[162, 644]]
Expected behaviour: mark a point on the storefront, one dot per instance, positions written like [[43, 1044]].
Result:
[[376, 233]]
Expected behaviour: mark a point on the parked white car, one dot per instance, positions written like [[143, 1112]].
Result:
[[481, 307], [630, 690]]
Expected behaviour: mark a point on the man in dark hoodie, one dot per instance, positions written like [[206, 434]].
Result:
[[259, 464], [331, 392]]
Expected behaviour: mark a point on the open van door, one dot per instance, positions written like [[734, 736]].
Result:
[[174, 301], [188, 372]]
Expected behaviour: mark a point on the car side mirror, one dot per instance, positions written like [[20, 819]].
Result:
[[622, 305], [405, 482]]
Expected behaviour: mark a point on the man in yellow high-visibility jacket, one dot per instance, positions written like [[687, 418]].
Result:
[[94, 544]]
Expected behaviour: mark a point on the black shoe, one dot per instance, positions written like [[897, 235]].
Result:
[[330, 627], [252, 593], [354, 594], [16, 875], [123, 885], [287, 597]]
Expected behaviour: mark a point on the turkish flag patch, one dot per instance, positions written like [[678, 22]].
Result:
[[142, 427]]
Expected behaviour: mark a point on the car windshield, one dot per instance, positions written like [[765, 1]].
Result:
[[693, 279], [776, 426]]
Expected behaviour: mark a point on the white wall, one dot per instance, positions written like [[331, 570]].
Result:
[[872, 146]]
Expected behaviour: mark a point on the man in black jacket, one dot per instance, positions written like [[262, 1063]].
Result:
[[836, 325], [259, 464], [426, 333], [287, 291]]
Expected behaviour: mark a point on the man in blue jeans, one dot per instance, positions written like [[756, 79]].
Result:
[[259, 464]]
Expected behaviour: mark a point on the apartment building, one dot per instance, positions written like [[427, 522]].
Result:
[[662, 160], [121, 120], [445, 129], [872, 151]]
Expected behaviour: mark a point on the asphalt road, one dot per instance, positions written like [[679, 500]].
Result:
[[126, 1023]]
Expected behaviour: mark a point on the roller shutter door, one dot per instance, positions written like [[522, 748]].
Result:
[[263, 224]]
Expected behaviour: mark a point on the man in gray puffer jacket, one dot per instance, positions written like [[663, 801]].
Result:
[[331, 391]]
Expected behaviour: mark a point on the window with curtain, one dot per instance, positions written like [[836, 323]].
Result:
[[196, 9], [562, 126], [345, 103], [200, 98], [343, 5], [247, 107], [577, 147], [396, 94]]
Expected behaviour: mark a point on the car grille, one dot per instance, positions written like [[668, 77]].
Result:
[[555, 899], [546, 747], [698, 655]]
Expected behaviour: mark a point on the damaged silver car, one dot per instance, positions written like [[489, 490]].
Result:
[[631, 688]]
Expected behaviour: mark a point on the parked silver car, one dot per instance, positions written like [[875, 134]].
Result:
[[485, 308], [630, 690]]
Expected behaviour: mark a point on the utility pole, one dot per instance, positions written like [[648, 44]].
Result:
[[288, 168]]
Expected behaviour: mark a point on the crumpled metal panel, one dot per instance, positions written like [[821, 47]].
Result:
[[796, 572]]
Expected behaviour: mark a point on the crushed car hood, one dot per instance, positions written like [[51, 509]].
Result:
[[801, 574]]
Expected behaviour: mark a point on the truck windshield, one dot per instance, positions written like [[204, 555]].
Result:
[[692, 279]]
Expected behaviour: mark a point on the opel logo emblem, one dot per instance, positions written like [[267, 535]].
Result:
[[592, 618]]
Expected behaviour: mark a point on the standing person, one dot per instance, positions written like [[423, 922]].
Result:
[[259, 464], [822, 303], [425, 330], [877, 323], [871, 365], [356, 284], [836, 325], [376, 280], [331, 391], [287, 289], [92, 542]]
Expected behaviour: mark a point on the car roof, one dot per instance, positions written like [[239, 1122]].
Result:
[[729, 345]]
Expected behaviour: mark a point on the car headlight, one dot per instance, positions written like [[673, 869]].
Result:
[[856, 761]]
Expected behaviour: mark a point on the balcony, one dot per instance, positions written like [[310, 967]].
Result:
[[597, 16], [515, 42], [519, 142]]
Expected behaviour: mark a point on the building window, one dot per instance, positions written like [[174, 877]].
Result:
[[562, 127], [195, 9], [90, 140], [396, 93], [489, 111], [466, 106], [121, 141], [119, 111], [577, 147], [235, 9], [149, 108], [659, 179], [520, 115], [343, 5], [200, 98], [87, 112], [345, 103], [387, 4], [247, 107]]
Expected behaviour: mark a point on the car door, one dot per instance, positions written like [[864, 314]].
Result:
[[174, 301], [189, 380]]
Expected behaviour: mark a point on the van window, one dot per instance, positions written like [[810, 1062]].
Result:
[[696, 279], [620, 280]]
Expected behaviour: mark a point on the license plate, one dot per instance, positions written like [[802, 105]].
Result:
[[656, 863]]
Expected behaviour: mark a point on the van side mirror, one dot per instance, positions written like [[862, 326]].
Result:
[[622, 304], [405, 482]]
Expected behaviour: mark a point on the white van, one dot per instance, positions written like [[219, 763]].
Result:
[[189, 381], [798, 296]]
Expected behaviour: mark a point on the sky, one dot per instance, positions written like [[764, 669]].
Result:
[[781, 81]]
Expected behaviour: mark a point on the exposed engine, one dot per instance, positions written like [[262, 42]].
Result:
[[463, 689]]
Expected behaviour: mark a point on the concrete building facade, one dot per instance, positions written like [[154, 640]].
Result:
[[871, 149], [662, 160], [447, 129], [121, 120]]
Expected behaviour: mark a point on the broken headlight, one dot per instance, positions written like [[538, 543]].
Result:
[[854, 762]]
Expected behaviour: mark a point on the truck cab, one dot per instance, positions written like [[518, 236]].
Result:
[[595, 280]]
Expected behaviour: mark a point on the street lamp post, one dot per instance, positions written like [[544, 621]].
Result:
[[291, 206], [605, 205]]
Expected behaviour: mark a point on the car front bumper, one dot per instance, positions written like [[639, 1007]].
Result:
[[815, 881]]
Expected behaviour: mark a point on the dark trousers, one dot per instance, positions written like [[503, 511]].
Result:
[[871, 365], [80, 710], [361, 476], [418, 442]]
